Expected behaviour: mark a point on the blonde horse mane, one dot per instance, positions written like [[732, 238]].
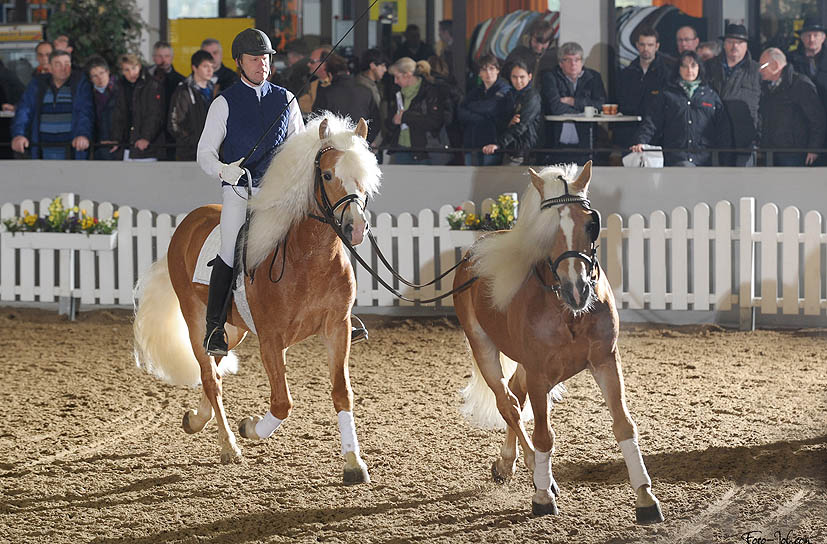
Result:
[[507, 259], [287, 188]]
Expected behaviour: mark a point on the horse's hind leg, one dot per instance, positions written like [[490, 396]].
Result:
[[504, 467], [487, 358], [609, 377], [211, 384]]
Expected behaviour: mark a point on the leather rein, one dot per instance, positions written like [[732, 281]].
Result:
[[328, 217]]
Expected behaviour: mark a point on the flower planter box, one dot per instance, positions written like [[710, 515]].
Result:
[[465, 238], [60, 240]]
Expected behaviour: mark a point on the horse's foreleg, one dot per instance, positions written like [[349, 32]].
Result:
[[543, 502], [337, 341], [281, 403], [609, 377]]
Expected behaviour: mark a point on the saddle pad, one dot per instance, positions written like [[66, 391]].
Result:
[[202, 275]]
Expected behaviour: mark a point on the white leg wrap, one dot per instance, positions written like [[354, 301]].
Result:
[[542, 469], [634, 463], [347, 429], [267, 425]]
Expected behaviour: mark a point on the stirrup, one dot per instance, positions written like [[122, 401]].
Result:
[[358, 333], [215, 344]]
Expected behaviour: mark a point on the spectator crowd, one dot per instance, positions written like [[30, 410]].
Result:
[[713, 96]]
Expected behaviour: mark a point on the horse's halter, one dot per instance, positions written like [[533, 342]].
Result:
[[594, 231], [329, 210]]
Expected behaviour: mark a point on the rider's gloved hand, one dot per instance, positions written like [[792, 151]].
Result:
[[231, 173]]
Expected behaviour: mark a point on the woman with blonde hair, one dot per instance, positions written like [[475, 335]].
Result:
[[417, 113]]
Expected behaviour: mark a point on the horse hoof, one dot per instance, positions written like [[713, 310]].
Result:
[[187, 425], [231, 457], [495, 475], [355, 476], [647, 515], [247, 428], [544, 509]]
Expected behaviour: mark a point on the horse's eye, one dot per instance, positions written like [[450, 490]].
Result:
[[327, 176]]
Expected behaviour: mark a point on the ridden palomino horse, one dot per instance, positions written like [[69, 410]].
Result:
[[543, 301], [328, 162]]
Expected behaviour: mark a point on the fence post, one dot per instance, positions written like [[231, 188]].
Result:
[[746, 276]]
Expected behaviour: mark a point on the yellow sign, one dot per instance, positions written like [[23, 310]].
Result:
[[21, 33], [391, 10], [186, 35]]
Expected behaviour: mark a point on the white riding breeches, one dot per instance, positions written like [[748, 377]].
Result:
[[233, 215]]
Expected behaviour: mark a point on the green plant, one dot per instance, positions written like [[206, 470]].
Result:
[[98, 27], [501, 217], [62, 219]]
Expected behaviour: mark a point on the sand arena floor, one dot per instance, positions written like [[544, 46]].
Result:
[[733, 429]]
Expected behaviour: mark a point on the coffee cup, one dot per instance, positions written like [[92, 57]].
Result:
[[609, 109], [589, 111]]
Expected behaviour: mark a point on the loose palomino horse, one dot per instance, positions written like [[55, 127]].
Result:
[[329, 162], [543, 301]]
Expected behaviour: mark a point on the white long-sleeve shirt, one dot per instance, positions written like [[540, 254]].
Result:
[[215, 129]]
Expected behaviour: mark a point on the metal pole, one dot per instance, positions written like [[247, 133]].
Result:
[[460, 48], [326, 32], [360, 31], [264, 20]]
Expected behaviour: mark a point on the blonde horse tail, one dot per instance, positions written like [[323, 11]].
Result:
[[162, 341], [480, 404]]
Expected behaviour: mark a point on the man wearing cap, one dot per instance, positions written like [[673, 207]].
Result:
[[811, 60], [734, 76], [235, 121]]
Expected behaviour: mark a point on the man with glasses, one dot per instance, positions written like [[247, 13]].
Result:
[[734, 76], [316, 60], [568, 89], [687, 39]]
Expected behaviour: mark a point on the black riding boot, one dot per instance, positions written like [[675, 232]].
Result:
[[221, 279]]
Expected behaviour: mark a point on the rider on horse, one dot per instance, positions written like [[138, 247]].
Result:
[[236, 119]]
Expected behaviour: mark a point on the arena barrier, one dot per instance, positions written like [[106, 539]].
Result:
[[682, 261]]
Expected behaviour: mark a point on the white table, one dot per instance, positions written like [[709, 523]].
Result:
[[6, 114], [599, 118]]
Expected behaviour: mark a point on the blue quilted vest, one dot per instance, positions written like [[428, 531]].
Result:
[[247, 121]]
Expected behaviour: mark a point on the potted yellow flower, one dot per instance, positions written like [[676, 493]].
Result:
[[467, 228], [61, 228]]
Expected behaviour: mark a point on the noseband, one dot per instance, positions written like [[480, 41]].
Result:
[[588, 258]]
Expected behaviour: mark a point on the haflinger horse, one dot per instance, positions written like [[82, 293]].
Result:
[[329, 162], [543, 302]]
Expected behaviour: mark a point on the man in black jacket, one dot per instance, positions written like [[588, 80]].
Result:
[[791, 112], [169, 79], [810, 59], [734, 76], [649, 72], [189, 105], [537, 53], [568, 89], [345, 97]]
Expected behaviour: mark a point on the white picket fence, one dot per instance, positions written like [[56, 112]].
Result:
[[685, 261]]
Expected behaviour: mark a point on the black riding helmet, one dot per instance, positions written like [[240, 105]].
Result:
[[251, 41]]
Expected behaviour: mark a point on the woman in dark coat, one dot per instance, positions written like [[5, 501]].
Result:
[[686, 114], [482, 111], [520, 132]]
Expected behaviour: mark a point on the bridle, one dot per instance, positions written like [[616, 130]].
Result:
[[594, 231], [328, 217]]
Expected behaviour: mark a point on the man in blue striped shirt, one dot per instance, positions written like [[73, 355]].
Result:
[[56, 110]]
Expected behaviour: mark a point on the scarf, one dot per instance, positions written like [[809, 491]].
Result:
[[690, 86], [408, 94]]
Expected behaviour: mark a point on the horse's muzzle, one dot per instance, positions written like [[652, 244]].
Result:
[[355, 232], [577, 295]]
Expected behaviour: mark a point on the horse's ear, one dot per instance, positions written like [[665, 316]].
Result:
[[324, 130], [362, 128], [583, 179], [537, 181]]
